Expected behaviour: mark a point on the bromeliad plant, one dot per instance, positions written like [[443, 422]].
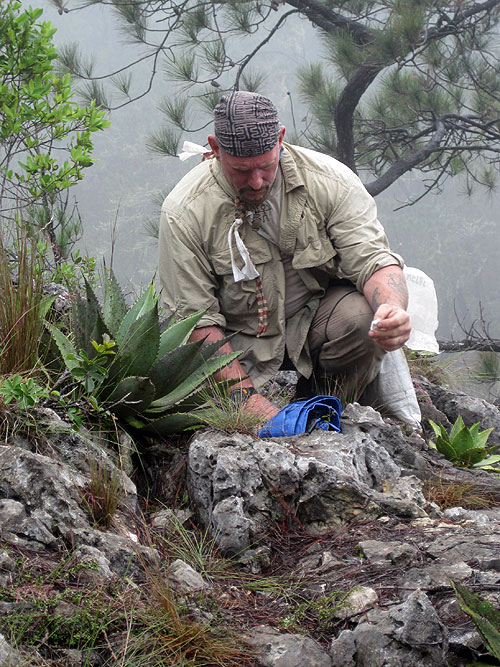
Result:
[[465, 446], [152, 379]]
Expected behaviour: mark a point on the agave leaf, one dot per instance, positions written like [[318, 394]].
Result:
[[138, 348], [488, 461], [463, 441], [438, 429], [167, 322], [131, 395], [176, 366], [169, 424], [472, 455], [482, 437], [88, 324], [177, 334], [212, 390], [145, 303], [457, 427], [203, 395], [114, 306], [45, 305], [204, 353], [65, 346], [446, 448], [485, 616], [191, 383], [474, 429]]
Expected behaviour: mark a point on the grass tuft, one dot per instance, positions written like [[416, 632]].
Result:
[[21, 305], [102, 495], [468, 495]]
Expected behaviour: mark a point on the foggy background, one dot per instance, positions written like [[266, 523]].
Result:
[[452, 237]]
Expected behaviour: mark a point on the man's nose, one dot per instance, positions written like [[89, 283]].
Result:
[[255, 180]]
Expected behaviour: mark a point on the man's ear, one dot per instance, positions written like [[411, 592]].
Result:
[[214, 145], [282, 134]]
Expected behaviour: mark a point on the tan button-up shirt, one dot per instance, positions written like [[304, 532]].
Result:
[[328, 225]]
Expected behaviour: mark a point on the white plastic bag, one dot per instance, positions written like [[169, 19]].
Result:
[[393, 389], [423, 311]]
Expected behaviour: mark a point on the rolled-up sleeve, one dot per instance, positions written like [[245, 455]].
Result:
[[357, 234], [187, 281]]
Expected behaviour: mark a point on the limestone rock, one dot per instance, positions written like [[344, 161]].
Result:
[[357, 601], [275, 649], [184, 579], [403, 636], [241, 485]]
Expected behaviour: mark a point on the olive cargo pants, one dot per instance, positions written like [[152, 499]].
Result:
[[345, 359]]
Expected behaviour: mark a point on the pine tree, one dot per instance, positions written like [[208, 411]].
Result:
[[403, 84]]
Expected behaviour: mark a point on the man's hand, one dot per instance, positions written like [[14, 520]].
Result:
[[392, 327], [260, 406]]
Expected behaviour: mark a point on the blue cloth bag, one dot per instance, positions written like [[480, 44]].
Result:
[[321, 412]]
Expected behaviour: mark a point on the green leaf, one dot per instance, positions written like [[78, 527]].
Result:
[[174, 368], [488, 461], [114, 306], [472, 456], [482, 437], [462, 441], [144, 304], [88, 324], [169, 424], [132, 395], [457, 426], [446, 448], [65, 346], [45, 305], [177, 334], [192, 382], [139, 346], [485, 616]]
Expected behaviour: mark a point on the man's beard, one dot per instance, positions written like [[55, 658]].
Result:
[[252, 203]]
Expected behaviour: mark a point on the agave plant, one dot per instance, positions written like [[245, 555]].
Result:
[[148, 375], [465, 445]]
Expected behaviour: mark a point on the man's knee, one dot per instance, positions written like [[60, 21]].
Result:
[[341, 325]]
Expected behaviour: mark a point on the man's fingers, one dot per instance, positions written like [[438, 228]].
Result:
[[390, 327]]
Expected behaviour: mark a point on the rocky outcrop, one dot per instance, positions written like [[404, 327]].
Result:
[[241, 484], [42, 499], [371, 472], [373, 557]]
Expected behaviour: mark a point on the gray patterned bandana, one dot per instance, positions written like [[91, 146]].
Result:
[[246, 124]]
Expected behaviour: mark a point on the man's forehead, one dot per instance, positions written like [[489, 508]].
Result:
[[265, 160]]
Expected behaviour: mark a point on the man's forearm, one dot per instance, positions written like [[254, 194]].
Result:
[[387, 285], [232, 371], [387, 295]]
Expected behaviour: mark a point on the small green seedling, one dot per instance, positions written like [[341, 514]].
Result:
[[465, 446]]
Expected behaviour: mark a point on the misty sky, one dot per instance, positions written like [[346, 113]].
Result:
[[124, 189]]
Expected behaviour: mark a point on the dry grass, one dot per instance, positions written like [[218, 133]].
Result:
[[164, 633], [448, 494]]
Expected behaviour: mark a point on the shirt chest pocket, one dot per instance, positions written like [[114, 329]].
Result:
[[239, 298], [314, 248]]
